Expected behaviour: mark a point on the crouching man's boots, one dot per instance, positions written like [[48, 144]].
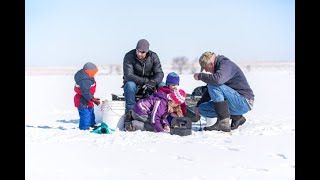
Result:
[[128, 122], [237, 120], [223, 119]]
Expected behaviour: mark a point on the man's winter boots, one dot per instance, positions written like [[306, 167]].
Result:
[[128, 122], [223, 119], [237, 120], [128, 116], [129, 127]]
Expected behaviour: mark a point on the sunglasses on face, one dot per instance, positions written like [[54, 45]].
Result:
[[142, 52]]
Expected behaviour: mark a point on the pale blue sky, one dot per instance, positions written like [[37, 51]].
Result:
[[72, 32]]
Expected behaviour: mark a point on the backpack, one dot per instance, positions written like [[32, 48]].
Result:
[[191, 114], [181, 126], [199, 91], [192, 100]]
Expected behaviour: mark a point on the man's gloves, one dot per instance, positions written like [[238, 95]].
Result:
[[149, 88], [152, 83], [96, 101]]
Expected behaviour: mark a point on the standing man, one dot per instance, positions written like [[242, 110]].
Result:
[[141, 68], [229, 91]]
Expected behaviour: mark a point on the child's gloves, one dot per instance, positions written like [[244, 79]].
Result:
[[96, 101]]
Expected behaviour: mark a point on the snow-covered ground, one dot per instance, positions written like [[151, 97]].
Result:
[[262, 148]]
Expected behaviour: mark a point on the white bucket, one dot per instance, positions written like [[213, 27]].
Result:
[[113, 114], [210, 121]]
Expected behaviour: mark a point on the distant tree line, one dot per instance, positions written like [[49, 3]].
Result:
[[180, 64]]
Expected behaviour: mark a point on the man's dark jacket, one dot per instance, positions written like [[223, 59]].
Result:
[[142, 72]]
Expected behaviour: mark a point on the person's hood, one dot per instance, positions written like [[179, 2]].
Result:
[[161, 95]]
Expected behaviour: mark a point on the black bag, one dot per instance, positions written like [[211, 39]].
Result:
[[181, 126], [191, 114], [191, 102], [199, 91]]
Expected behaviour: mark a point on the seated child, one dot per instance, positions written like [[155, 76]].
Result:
[[151, 113], [172, 83]]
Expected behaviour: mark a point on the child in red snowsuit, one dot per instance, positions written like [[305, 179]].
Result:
[[85, 88]]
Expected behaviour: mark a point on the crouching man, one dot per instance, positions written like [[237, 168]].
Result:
[[229, 91]]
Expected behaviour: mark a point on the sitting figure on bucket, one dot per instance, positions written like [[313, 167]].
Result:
[[150, 113], [142, 73], [84, 100], [172, 83]]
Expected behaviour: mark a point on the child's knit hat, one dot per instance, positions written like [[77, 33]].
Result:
[[178, 96], [172, 78], [90, 68]]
